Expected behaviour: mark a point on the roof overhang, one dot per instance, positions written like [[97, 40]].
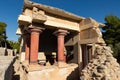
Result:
[[52, 10]]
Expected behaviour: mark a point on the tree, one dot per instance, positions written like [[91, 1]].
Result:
[[13, 45], [2, 33], [111, 34], [7, 43]]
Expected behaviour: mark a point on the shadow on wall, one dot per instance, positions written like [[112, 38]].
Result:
[[16, 77], [10, 52], [74, 75], [9, 72], [6, 52]]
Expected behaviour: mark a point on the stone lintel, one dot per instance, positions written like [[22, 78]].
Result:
[[53, 10], [92, 40], [24, 20], [88, 23]]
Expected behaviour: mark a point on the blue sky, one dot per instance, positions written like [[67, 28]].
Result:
[[97, 9]]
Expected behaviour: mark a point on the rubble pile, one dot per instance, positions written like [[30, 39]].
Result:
[[103, 67]]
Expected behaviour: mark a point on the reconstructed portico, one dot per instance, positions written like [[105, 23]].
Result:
[[56, 37], [35, 19]]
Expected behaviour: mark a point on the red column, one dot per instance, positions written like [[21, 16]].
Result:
[[27, 46], [61, 34], [34, 45], [25, 35]]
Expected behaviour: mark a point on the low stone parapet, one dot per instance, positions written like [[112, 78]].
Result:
[[2, 51], [7, 52]]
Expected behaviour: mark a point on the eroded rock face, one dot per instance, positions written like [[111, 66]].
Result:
[[103, 67], [19, 72]]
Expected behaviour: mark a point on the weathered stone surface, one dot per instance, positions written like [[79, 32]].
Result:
[[102, 67], [24, 19], [22, 56], [7, 52], [38, 15], [55, 73], [89, 23], [19, 72], [69, 72], [6, 67], [2, 51], [41, 58]]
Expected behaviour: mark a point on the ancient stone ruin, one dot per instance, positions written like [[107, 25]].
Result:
[[6, 67], [58, 45], [102, 67], [7, 58]]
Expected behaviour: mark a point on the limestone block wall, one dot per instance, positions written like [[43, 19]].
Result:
[[6, 68]]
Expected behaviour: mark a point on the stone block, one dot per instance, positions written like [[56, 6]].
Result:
[[55, 73], [9, 52], [22, 56], [38, 15], [2, 51], [41, 58], [24, 20]]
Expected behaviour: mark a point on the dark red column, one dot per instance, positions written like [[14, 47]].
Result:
[[61, 34], [26, 37], [34, 46], [27, 46]]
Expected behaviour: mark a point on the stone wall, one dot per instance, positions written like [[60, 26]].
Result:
[[102, 67], [68, 72], [2, 51], [7, 52], [19, 72], [6, 68]]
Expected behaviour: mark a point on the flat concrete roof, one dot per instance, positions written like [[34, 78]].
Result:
[[52, 10]]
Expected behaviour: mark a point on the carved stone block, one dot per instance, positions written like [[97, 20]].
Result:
[[38, 15]]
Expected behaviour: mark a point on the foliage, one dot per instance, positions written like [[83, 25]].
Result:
[[112, 30], [2, 33], [111, 34], [13, 45], [7, 43]]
